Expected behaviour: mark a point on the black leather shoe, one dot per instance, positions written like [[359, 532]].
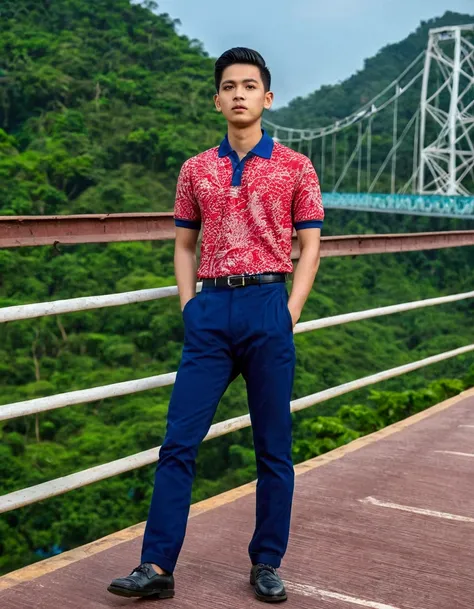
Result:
[[267, 584], [144, 581]]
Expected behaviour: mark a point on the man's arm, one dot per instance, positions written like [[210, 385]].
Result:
[[307, 267], [185, 263]]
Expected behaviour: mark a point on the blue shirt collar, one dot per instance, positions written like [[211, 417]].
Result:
[[263, 149]]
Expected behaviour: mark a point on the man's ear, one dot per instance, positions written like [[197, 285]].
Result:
[[269, 97], [217, 103]]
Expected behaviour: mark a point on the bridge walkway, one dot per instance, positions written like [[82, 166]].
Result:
[[386, 522]]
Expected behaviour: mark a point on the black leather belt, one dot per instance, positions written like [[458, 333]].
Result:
[[240, 281]]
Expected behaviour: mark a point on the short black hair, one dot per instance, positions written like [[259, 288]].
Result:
[[242, 55]]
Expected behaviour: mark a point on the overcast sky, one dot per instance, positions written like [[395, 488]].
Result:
[[306, 43]]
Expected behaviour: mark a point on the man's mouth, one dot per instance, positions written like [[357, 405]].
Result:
[[239, 108]]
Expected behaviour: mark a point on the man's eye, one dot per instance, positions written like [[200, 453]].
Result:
[[227, 88], [250, 86]]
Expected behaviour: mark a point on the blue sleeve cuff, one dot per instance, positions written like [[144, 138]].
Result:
[[194, 224], [309, 224]]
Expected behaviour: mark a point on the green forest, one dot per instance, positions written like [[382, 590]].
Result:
[[100, 104]]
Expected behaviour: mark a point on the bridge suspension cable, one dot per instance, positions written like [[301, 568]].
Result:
[[442, 154], [368, 109], [305, 139]]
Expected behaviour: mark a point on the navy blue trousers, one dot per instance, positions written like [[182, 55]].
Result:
[[229, 331]]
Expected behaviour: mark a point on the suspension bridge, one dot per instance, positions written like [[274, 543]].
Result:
[[427, 163], [393, 541]]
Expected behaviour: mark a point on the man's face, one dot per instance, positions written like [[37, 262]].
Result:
[[242, 97]]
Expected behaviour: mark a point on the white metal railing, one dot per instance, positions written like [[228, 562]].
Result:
[[28, 407], [85, 303], [52, 488], [336, 320], [59, 486]]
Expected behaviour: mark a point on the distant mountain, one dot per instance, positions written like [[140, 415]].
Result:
[[332, 102]]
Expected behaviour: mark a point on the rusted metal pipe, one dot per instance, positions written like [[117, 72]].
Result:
[[25, 231]]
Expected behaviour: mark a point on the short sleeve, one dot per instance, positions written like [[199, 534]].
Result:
[[307, 211], [186, 209]]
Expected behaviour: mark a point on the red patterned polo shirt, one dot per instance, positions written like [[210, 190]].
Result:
[[247, 208]]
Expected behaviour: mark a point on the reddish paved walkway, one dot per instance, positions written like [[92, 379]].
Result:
[[343, 552]]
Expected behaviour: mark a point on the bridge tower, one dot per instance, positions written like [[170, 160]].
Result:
[[447, 113]]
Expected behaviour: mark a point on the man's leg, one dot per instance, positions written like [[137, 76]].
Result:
[[205, 372], [268, 367]]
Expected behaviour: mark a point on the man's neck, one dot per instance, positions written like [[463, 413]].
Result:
[[243, 140]]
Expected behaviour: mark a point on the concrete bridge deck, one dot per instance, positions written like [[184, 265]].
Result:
[[386, 522]]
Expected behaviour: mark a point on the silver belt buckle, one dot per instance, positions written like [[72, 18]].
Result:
[[235, 285]]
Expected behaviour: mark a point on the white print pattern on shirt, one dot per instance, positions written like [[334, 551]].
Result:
[[247, 229]]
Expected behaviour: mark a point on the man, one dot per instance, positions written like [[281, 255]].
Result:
[[247, 194]]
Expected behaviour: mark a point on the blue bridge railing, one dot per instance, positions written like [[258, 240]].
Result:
[[412, 204]]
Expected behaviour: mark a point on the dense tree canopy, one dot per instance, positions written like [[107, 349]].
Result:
[[100, 104]]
